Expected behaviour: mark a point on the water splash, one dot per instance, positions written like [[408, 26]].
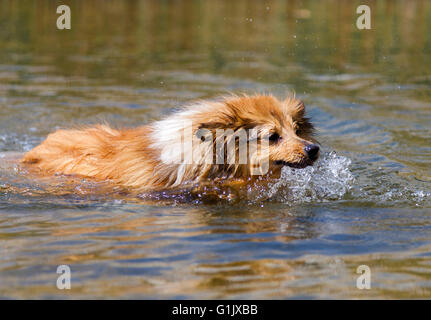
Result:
[[328, 179], [331, 178]]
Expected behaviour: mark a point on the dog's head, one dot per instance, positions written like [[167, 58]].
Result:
[[283, 124], [206, 140]]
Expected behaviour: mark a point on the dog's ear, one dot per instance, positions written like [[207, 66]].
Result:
[[296, 107]]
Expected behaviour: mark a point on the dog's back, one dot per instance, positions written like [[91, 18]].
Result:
[[99, 152]]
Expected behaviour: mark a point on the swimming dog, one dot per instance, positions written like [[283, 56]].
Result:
[[152, 157]]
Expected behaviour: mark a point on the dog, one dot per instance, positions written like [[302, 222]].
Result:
[[147, 158]]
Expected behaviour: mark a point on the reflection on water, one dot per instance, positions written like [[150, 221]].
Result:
[[368, 93]]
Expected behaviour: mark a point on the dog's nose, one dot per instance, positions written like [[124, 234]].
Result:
[[312, 150]]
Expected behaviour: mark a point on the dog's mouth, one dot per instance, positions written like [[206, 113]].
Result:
[[297, 165]]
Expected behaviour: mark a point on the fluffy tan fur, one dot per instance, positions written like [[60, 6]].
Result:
[[136, 158]]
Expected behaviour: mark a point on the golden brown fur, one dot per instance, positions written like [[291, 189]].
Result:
[[133, 157]]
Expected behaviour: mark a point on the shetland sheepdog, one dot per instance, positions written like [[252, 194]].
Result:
[[188, 147]]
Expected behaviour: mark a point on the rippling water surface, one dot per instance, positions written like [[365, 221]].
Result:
[[366, 201]]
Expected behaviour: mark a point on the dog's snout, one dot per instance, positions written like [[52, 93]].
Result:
[[312, 151]]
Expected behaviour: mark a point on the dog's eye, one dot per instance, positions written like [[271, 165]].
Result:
[[274, 137]]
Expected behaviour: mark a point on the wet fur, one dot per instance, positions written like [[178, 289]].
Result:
[[133, 157]]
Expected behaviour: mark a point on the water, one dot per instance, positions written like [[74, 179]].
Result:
[[366, 201], [328, 179]]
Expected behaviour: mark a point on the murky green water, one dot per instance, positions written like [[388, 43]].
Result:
[[128, 63]]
